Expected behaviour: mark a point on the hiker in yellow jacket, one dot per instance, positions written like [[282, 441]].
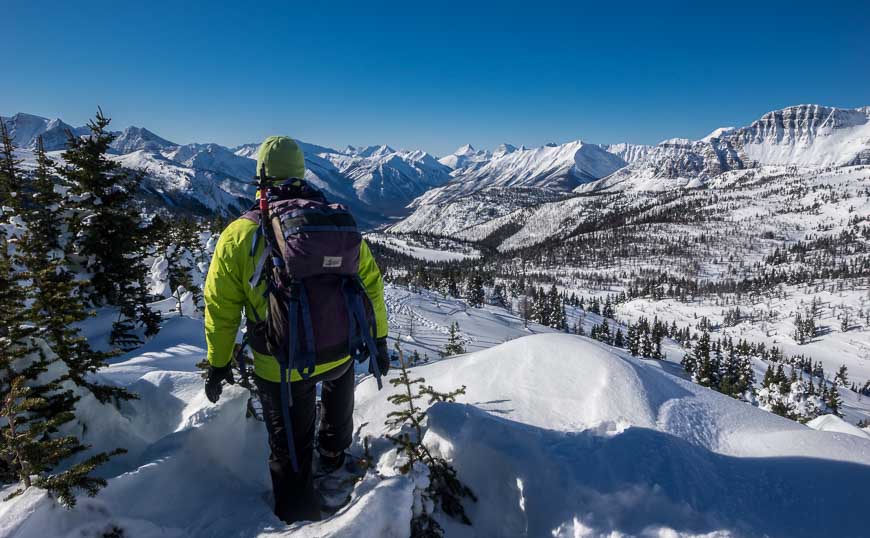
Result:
[[229, 290]]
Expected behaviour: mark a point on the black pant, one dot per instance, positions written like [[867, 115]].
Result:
[[295, 498]]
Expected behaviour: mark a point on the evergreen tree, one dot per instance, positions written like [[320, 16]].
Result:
[[56, 300], [32, 407], [633, 340], [707, 372], [498, 297], [10, 180], [109, 240], [454, 342], [476, 295], [618, 338], [842, 377], [834, 401]]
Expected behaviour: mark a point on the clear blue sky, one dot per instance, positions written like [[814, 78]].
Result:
[[431, 75]]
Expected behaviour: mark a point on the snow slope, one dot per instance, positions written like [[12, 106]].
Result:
[[557, 167], [560, 436], [803, 135], [464, 157], [388, 180], [557, 435]]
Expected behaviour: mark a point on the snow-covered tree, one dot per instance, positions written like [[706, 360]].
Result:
[[454, 344], [109, 239]]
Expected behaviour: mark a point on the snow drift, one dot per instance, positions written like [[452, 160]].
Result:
[[561, 436], [557, 436]]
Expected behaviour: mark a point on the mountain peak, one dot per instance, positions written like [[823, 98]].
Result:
[[139, 138], [718, 133]]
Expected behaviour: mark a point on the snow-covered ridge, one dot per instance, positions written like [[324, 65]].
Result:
[[803, 135], [377, 182], [556, 167]]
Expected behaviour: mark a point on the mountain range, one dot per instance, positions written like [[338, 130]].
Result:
[[480, 198], [474, 186]]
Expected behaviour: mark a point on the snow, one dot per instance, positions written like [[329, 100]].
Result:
[[556, 434], [808, 135], [556, 167], [555, 428], [718, 133], [832, 423], [409, 246]]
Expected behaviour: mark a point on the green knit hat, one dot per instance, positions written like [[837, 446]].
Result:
[[282, 158]]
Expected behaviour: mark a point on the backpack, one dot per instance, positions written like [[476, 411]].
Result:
[[318, 309]]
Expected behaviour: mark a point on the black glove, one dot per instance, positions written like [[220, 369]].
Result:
[[213, 381], [383, 356]]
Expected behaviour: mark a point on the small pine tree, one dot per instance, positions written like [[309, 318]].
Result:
[[454, 344], [10, 176], [30, 449], [444, 488], [834, 401], [706, 373], [32, 407], [619, 339], [842, 376], [476, 295]]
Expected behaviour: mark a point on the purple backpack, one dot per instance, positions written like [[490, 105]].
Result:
[[319, 311]]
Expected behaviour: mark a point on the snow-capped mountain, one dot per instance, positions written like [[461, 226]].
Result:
[[387, 180], [26, 128], [806, 136], [214, 158], [628, 152], [555, 167], [465, 156], [803, 135], [138, 138], [377, 182]]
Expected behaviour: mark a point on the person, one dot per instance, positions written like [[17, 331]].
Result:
[[229, 289]]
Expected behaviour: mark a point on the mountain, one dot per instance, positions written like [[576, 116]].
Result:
[[803, 136], [464, 157], [554, 167], [388, 180], [26, 128], [138, 138], [476, 204], [179, 186], [628, 152], [377, 182]]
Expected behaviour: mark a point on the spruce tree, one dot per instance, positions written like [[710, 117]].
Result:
[[834, 401], [33, 407], [476, 294], [56, 296], [10, 177], [842, 376], [498, 296], [706, 373], [109, 240], [454, 342], [619, 339]]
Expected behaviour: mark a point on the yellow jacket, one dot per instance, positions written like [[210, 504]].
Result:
[[227, 292]]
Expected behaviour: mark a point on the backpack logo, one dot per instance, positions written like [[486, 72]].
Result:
[[331, 262]]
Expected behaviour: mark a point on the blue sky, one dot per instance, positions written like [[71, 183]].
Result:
[[431, 75]]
